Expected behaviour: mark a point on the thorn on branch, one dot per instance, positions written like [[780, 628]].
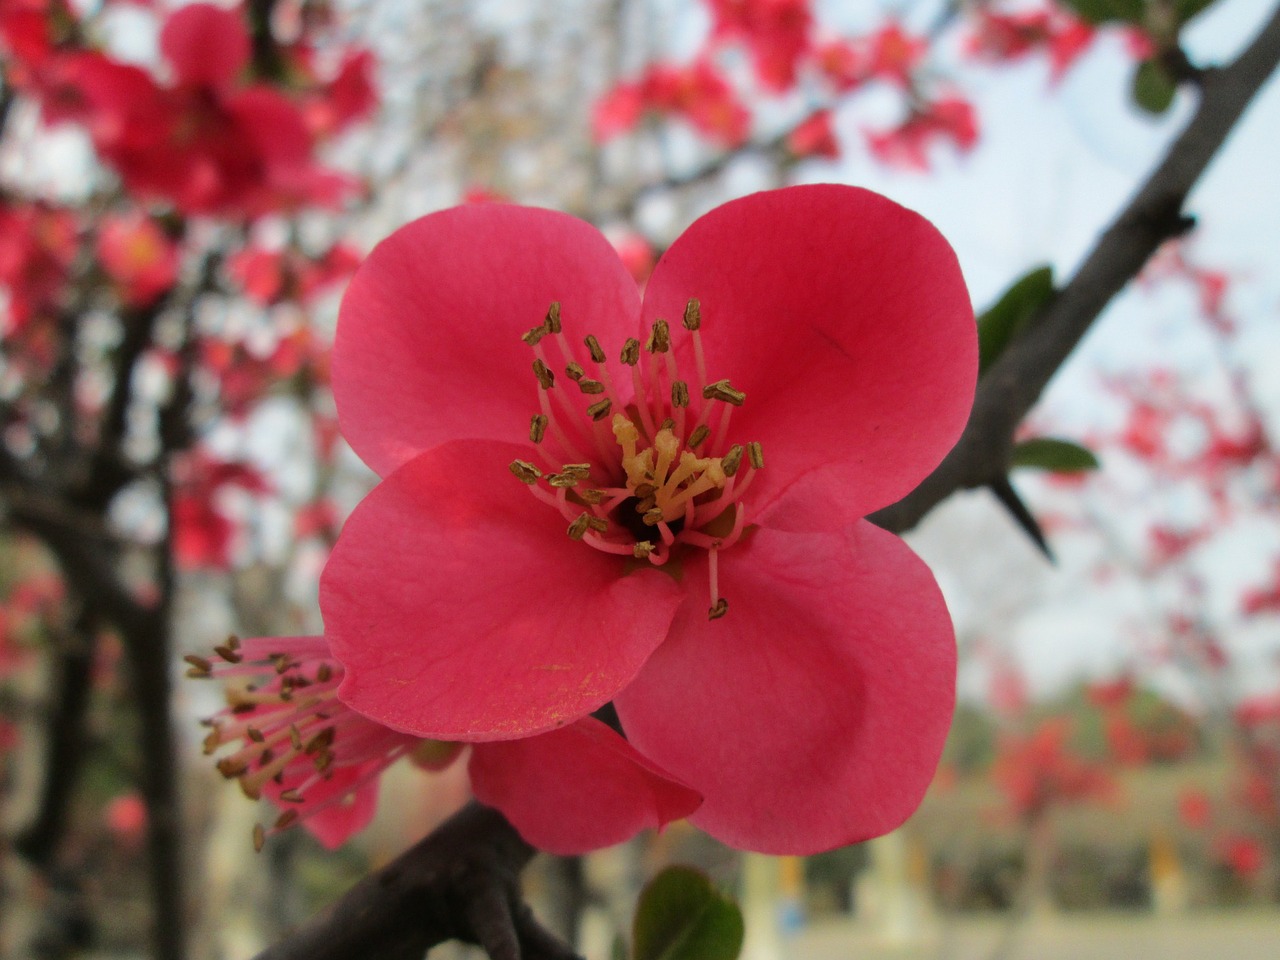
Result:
[[1010, 500]]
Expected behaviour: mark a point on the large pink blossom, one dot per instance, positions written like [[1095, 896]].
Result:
[[684, 533]]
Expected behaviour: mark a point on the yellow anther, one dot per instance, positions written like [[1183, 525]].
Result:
[[692, 314], [537, 427], [574, 371], [721, 390], [679, 393], [546, 379], [652, 517], [591, 496], [563, 481], [553, 317], [719, 610], [699, 435], [580, 470], [643, 490], [593, 347], [631, 352], [600, 409], [525, 471], [598, 524], [589, 386], [642, 549], [755, 454]]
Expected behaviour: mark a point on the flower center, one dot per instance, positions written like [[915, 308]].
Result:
[[660, 477]]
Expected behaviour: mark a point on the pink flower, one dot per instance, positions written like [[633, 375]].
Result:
[[37, 248], [907, 145], [760, 640], [815, 137], [137, 256], [697, 93], [569, 791], [775, 31]]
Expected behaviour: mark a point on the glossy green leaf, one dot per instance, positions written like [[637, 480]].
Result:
[[1107, 11], [1050, 453], [681, 916], [1153, 88], [1001, 322]]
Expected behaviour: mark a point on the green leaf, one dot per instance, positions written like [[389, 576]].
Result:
[[1153, 88], [1010, 314], [1050, 453], [1105, 11], [680, 916]]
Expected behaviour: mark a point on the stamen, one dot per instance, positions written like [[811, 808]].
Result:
[[699, 435], [693, 314], [722, 390], [533, 336], [574, 371], [525, 471], [679, 394], [578, 529], [641, 549], [756, 454], [599, 410], [730, 462], [593, 348], [537, 427], [659, 338], [546, 379], [631, 352], [718, 609], [589, 386], [553, 317]]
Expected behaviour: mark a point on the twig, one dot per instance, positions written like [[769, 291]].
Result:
[[1155, 214]]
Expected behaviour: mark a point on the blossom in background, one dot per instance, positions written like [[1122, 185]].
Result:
[[1039, 770], [907, 145], [203, 534], [270, 276], [140, 259], [815, 137], [697, 93], [569, 791], [890, 54], [776, 32], [683, 534], [37, 246], [1003, 37]]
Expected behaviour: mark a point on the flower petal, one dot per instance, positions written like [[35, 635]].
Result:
[[428, 344], [462, 611], [206, 45], [844, 318], [577, 789], [814, 713]]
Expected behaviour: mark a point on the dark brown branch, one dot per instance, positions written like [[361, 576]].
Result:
[[1008, 391], [459, 883]]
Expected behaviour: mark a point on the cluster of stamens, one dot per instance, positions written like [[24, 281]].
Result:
[[288, 725], [648, 478]]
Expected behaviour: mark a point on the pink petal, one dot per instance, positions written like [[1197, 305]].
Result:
[[428, 345], [461, 610], [814, 713], [207, 46], [845, 319], [577, 789]]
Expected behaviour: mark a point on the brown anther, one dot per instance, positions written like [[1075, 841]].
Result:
[[698, 436], [212, 742], [652, 517], [259, 838], [641, 549], [553, 317], [580, 470], [196, 674], [591, 387], [721, 390], [598, 524], [255, 735], [291, 796], [320, 741], [286, 693], [525, 471], [537, 427], [295, 737], [233, 642], [720, 608], [578, 529], [286, 820], [574, 371], [692, 314], [644, 490], [324, 673], [243, 707], [324, 761], [679, 393], [730, 462], [282, 663], [755, 454], [648, 503], [591, 496], [200, 665], [231, 768], [631, 352], [593, 348], [532, 337], [660, 338], [266, 757], [563, 481], [546, 379], [600, 409], [228, 654], [668, 424]]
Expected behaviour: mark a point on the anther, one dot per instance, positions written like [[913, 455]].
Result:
[[563, 481], [200, 665], [652, 517], [660, 338], [553, 317], [574, 371], [578, 529], [537, 427], [255, 735], [717, 611], [525, 471], [631, 352], [580, 470], [291, 796], [286, 819], [679, 393], [259, 838], [598, 524], [730, 462], [589, 386], [534, 336], [721, 390], [324, 673], [668, 424], [591, 496], [699, 435], [641, 549], [546, 379], [692, 314], [228, 653], [755, 454], [600, 409], [593, 347], [643, 490]]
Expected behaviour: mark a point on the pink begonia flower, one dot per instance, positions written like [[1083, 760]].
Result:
[[761, 641], [568, 791]]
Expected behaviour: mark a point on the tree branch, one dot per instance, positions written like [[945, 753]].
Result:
[[459, 883], [1155, 214]]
